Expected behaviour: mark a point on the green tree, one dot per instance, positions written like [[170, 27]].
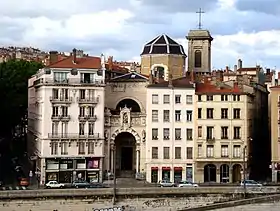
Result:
[[14, 76]]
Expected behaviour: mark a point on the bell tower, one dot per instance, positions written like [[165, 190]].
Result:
[[199, 49]]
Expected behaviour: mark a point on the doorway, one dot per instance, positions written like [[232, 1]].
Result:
[[210, 173], [127, 158]]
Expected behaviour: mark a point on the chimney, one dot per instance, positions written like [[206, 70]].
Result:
[[235, 68], [239, 64], [170, 80], [110, 63], [227, 69], [75, 56], [268, 71], [53, 57], [103, 66]]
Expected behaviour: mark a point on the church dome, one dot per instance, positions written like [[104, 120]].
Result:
[[163, 44]]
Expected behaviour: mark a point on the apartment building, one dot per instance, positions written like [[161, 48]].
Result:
[[223, 130], [275, 132], [170, 130], [66, 118]]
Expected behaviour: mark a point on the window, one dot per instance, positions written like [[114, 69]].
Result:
[[64, 148], [236, 97], [210, 113], [199, 150], [224, 131], [189, 99], [224, 151], [154, 99], [210, 151], [189, 134], [154, 134], [154, 153], [60, 77], [55, 111], [224, 113], [199, 131], [199, 98], [166, 116], [177, 152], [209, 98], [189, 153], [55, 94], [236, 131], [81, 148], [90, 147], [197, 59], [177, 115], [64, 128], [91, 129], [65, 94], [87, 77], [154, 115], [224, 97], [199, 113], [166, 99], [177, 133], [189, 116], [166, 153], [236, 151], [166, 133], [54, 148], [236, 113], [210, 133], [64, 111], [91, 111], [82, 129], [82, 94], [55, 128], [82, 111], [177, 99]]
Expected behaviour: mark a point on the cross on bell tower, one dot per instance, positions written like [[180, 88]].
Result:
[[200, 12]]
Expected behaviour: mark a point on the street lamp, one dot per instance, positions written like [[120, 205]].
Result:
[[244, 170]]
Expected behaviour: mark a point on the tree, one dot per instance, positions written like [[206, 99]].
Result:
[[14, 76]]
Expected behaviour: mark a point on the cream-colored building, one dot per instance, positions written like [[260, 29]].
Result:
[[275, 132], [223, 130], [170, 130], [66, 119], [125, 124]]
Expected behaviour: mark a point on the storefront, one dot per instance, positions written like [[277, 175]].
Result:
[[178, 174], [166, 173], [52, 170], [189, 173], [93, 169], [154, 174]]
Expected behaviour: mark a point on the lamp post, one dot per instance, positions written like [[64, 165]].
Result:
[[244, 170], [114, 172]]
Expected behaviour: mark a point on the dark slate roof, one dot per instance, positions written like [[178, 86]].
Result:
[[163, 44], [132, 76], [183, 82]]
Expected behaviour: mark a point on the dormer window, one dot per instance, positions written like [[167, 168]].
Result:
[[60, 77], [87, 78]]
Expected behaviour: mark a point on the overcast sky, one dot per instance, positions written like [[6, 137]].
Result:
[[246, 29]]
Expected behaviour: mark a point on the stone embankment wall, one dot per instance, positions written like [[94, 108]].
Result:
[[273, 206]]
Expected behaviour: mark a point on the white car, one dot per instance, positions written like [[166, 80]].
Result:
[[250, 183], [184, 184], [166, 183], [54, 184]]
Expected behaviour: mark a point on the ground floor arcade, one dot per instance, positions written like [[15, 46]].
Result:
[[219, 172], [68, 169]]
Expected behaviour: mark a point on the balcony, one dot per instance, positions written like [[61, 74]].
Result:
[[60, 117], [88, 100], [83, 117], [69, 81], [74, 136], [61, 99], [92, 118], [210, 139]]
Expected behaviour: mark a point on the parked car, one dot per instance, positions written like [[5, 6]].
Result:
[[24, 182], [183, 184], [166, 183], [251, 183], [80, 184], [54, 184]]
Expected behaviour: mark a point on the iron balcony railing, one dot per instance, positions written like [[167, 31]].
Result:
[[70, 81], [88, 100], [61, 99], [74, 135]]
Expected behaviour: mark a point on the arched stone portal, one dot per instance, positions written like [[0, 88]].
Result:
[[236, 173], [210, 173], [127, 152]]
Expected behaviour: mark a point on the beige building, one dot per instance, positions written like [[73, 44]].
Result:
[[223, 130], [170, 131], [275, 132]]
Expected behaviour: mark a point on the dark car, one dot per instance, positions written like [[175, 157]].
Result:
[[80, 184]]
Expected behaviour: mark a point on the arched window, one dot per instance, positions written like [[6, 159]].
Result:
[[197, 59]]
